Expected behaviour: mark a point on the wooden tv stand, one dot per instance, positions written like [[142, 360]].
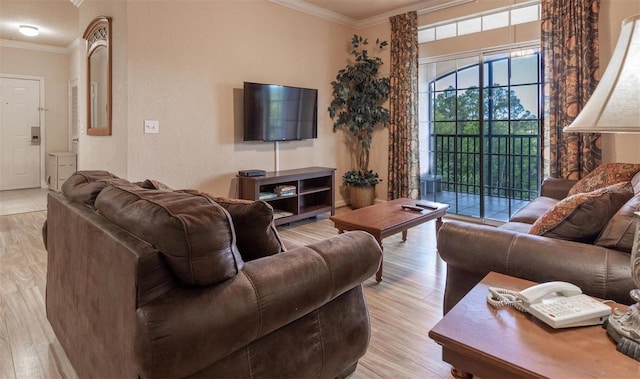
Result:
[[314, 192]]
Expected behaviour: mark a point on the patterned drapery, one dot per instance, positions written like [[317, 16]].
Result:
[[404, 168], [570, 49]]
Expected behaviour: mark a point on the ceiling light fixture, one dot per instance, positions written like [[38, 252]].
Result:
[[29, 31], [614, 106]]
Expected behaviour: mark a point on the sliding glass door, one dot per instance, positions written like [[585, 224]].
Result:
[[479, 132]]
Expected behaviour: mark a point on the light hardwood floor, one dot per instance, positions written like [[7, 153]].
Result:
[[403, 307]]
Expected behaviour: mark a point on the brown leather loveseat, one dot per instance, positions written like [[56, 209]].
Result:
[[145, 282], [578, 232]]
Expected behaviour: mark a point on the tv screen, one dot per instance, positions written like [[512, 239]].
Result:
[[279, 113]]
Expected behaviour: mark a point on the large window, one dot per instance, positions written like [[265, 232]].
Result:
[[479, 126]]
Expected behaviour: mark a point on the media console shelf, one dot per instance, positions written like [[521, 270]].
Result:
[[314, 192]]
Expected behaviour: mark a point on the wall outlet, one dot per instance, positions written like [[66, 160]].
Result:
[[151, 126]]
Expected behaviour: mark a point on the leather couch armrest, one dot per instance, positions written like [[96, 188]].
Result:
[[556, 188], [192, 327], [472, 251]]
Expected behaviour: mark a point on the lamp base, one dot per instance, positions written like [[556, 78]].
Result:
[[624, 328]]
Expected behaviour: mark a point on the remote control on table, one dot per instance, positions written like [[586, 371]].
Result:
[[412, 208], [426, 206]]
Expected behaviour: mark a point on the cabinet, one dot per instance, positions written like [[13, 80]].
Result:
[[312, 193], [60, 166]]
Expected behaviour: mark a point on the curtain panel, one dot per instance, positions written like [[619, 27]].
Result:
[[404, 168], [570, 49]]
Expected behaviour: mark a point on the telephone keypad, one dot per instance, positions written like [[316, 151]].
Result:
[[570, 307]]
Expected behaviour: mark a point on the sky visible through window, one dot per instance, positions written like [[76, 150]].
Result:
[[524, 77], [498, 18]]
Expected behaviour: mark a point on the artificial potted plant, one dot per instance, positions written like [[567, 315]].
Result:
[[357, 109]]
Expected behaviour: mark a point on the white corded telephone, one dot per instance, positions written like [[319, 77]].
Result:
[[558, 304]]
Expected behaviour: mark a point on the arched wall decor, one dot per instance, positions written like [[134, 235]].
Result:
[[98, 37]]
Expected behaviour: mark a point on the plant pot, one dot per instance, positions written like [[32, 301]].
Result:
[[361, 196]]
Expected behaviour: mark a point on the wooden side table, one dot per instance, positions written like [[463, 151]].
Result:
[[488, 342]]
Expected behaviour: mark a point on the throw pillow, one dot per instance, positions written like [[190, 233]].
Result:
[[256, 234], [581, 217], [619, 231], [605, 175], [194, 234]]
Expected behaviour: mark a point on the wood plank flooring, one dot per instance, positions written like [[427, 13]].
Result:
[[403, 307]]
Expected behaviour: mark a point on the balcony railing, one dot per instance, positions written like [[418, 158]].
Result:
[[509, 170]]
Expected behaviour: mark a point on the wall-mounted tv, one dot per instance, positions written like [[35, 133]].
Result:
[[279, 113]]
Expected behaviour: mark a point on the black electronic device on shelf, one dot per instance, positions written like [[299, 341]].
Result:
[[253, 172]]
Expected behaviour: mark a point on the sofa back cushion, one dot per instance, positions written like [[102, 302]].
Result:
[[619, 231], [605, 175], [581, 217], [194, 234], [532, 211], [84, 186]]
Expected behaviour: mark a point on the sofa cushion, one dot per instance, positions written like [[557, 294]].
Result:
[[619, 231], [256, 234], [194, 234], [155, 184], [605, 175], [84, 186], [532, 211], [581, 217]]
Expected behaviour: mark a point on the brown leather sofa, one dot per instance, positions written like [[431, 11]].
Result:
[[471, 251], [144, 282]]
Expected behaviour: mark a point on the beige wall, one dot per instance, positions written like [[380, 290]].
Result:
[[182, 63], [53, 67], [616, 147], [186, 62]]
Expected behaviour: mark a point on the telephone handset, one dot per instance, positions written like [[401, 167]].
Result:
[[536, 293], [558, 304]]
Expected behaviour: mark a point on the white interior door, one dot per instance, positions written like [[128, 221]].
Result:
[[20, 133], [74, 121]]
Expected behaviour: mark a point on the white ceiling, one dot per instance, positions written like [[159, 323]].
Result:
[[58, 19], [362, 9]]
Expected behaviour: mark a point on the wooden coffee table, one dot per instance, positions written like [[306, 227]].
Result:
[[490, 343], [388, 218]]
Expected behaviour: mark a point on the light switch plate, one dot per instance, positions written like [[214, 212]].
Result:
[[151, 126]]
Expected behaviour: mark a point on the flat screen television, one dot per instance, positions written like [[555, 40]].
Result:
[[279, 113]]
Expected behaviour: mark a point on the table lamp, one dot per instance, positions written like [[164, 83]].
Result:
[[614, 107], [624, 327]]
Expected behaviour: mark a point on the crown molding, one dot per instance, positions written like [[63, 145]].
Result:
[[421, 7], [314, 10], [35, 46], [77, 2]]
